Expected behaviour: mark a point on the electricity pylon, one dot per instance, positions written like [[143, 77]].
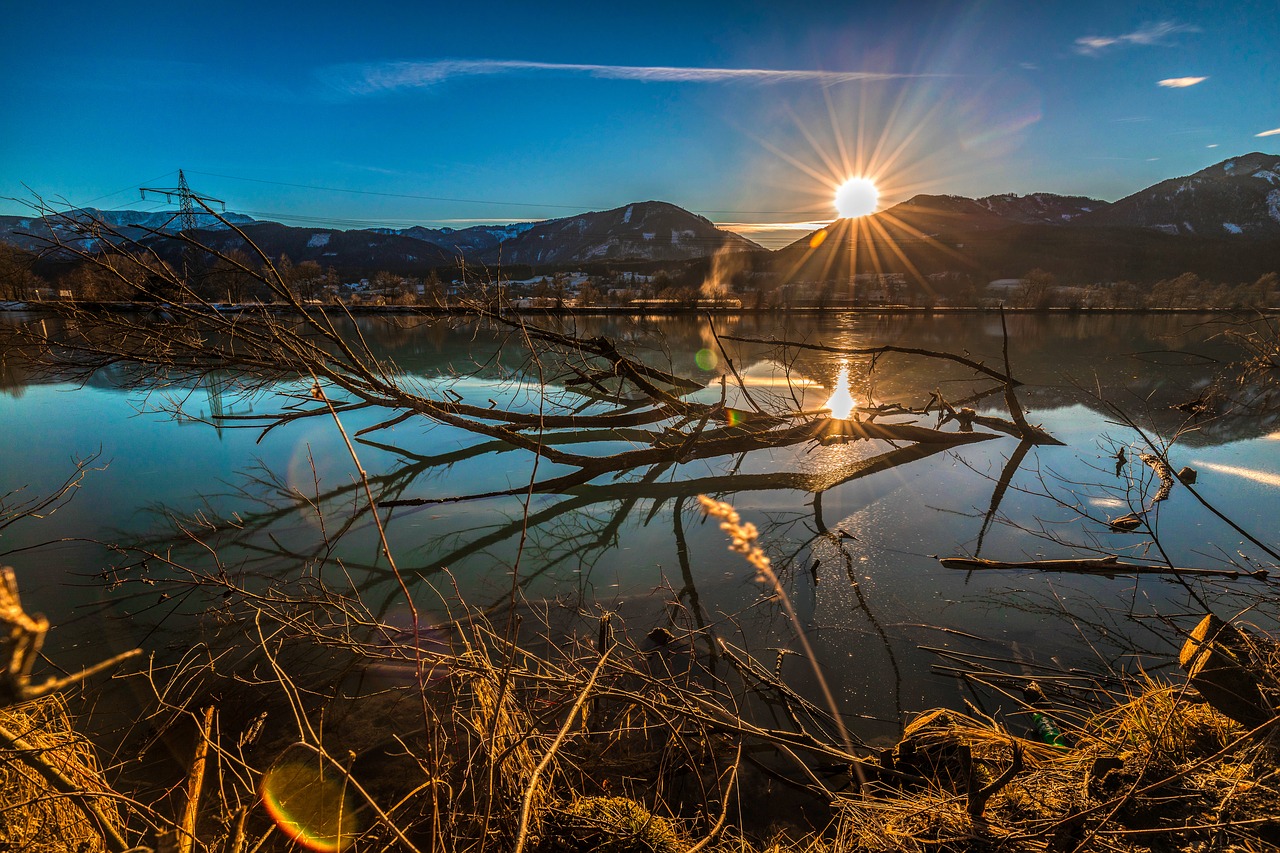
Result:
[[186, 213]]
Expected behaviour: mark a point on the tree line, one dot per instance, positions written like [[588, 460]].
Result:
[[122, 276]]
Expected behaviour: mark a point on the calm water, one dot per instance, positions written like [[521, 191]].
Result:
[[873, 601]]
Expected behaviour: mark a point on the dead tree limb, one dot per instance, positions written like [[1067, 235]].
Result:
[[1109, 565]]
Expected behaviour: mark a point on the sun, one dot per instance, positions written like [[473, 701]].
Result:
[[856, 197]]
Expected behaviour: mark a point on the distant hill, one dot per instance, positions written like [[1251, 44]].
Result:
[[34, 233], [1240, 196], [1045, 208], [643, 231], [1223, 222], [646, 231]]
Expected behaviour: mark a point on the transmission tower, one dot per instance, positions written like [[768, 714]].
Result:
[[186, 214], [186, 199]]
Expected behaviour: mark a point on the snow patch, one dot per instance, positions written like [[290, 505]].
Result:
[[1229, 166], [1232, 228], [626, 217], [649, 235], [1168, 229], [512, 231], [1273, 204], [319, 240], [1267, 175], [1187, 225]]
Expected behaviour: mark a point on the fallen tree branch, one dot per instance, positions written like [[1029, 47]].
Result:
[[1109, 565]]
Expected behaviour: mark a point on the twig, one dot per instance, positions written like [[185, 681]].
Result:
[[195, 781], [531, 786]]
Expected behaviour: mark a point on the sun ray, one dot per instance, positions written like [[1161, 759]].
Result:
[[902, 256], [821, 177], [841, 148], [833, 167]]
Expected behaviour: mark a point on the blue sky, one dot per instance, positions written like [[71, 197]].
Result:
[[396, 114]]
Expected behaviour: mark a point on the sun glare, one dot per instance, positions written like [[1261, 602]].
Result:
[[857, 197], [841, 402]]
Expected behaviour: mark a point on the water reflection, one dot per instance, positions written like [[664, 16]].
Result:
[[852, 526]]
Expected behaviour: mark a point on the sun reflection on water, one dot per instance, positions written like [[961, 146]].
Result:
[[841, 402]]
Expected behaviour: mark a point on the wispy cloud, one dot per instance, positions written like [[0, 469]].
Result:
[[1275, 132], [760, 227], [393, 76], [1181, 82], [1147, 34]]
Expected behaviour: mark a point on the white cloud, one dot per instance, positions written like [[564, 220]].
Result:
[[1181, 82], [1147, 34], [1212, 145], [392, 76], [1275, 132]]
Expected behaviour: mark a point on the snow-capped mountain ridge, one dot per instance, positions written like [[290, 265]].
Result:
[[1238, 196]]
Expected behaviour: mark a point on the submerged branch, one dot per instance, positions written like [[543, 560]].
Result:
[[1109, 565]]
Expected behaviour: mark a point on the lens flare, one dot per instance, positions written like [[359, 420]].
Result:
[[857, 197], [309, 806], [841, 402]]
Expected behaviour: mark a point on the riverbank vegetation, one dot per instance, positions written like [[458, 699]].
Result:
[[459, 739]]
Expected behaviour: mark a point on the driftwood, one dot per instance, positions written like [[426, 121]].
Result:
[[1109, 565], [1219, 662]]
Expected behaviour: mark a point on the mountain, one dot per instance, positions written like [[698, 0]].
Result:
[[647, 230], [35, 233], [643, 231], [164, 220], [1221, 223], [1240, 196], [467, 242], [1046, 208]]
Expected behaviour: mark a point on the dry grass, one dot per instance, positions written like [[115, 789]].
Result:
[[34, 817], [1159, 771]]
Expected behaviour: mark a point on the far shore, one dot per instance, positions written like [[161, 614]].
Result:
[[618, 310]]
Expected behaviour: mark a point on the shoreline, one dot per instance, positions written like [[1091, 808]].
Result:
[[627, 311]]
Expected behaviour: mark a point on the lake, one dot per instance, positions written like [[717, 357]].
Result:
[[182, 473]]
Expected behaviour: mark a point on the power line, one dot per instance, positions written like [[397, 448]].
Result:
[[488, 201], [131, 188], [388, 195]]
